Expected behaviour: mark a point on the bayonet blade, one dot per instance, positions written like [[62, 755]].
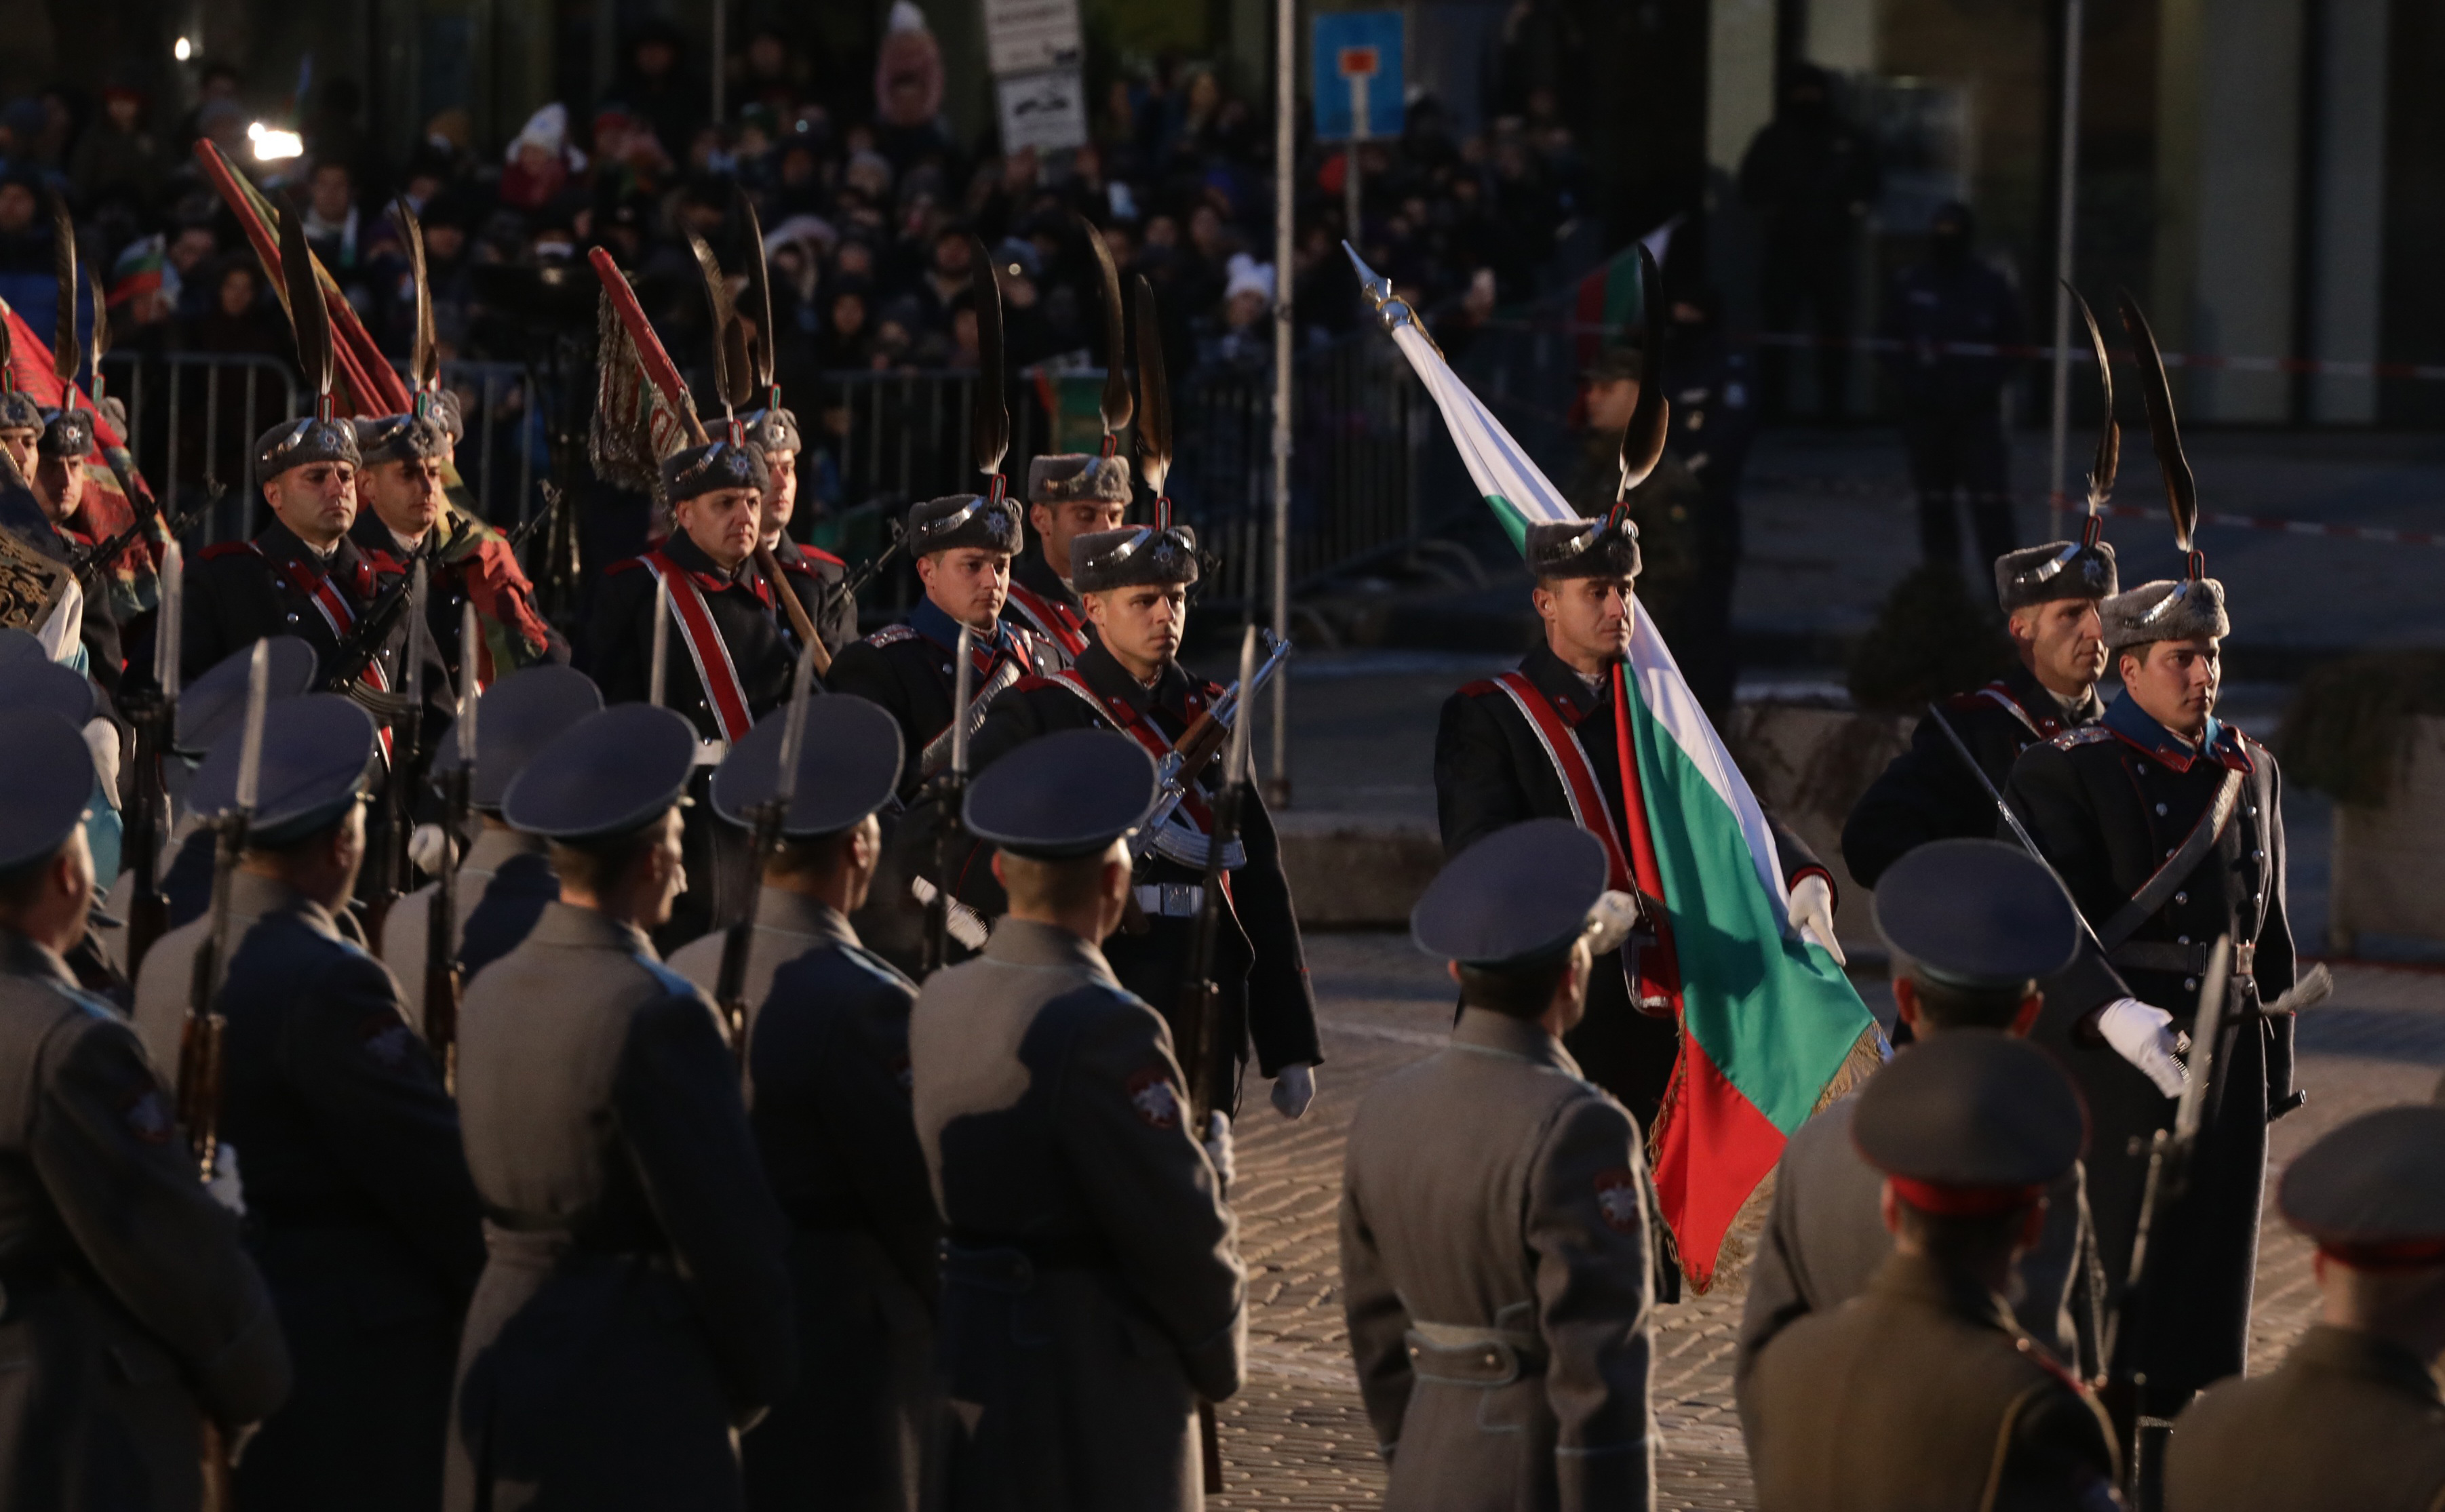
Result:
[[419, 634], [423, 353], [991, 438], [661, 642], [249, 749], [468, 693], [964, 685], [1114, 405], [1234, 766], [1154, 393], [793, 734], [2181, 489], [169, 611]]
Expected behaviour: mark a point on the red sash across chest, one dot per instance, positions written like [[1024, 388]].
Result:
[[341, 616], [1137, 727], [1058, 622], [705, 647]]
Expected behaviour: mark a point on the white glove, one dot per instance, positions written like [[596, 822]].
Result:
[[1294, 1090], [1611, 920], [1812, 914], [1218, 1146], [225, 1187], [102, 738], [430, 847], [2144, 1036]]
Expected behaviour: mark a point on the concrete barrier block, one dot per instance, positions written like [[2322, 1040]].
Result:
[[1357, 870]]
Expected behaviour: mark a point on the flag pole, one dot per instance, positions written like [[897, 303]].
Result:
[[1278, 790], [2066, 206]]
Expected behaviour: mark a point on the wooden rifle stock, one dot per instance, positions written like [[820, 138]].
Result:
[[804, 628]]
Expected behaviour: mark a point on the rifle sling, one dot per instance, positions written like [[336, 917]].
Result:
[[2177, 870]]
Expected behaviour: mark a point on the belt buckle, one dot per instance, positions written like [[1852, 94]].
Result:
[[2245, 958]]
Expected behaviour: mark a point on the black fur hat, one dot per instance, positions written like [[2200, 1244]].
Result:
[[1133, 556], [1601, 547]]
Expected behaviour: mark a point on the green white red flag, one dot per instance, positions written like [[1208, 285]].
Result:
[[1771, 1029]]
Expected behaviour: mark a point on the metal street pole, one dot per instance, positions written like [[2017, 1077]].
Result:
[[1278, 791], [1353, 200], [721, 53], [2066, 205]]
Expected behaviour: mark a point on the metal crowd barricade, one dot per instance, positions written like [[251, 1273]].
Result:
[[192, 420], [505, 448]]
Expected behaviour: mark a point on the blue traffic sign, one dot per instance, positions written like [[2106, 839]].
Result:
[[1357, 74]]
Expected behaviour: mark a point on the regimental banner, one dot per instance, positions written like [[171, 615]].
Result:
[[1771, 1029]]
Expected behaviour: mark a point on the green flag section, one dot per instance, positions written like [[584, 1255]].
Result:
[[1770, 1028]]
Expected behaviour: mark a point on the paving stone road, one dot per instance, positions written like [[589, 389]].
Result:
[[1297, 1437]]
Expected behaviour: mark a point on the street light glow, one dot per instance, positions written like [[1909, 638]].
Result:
[[183, 49], [272, 145]]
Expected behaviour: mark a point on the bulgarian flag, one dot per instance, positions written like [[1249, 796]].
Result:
[[1607, 298], [1771, 1029]]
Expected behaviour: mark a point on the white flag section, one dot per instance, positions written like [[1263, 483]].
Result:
[[1771, 1029], [1521, 495]]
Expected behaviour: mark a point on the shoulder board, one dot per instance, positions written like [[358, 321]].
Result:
[[1030, 684], [382, 561], [892, 635], [632, 564], [1974, 699], [1209, 691], [821, 555], [798, 568], [1478, 689], [214, 553], [2085, 735]]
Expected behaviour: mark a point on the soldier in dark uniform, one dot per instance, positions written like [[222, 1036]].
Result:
[[816, 576], [1952, 403], [403, 509], [1921, 1390], [58, 479], [1541, 744], [2166, 825], [1974, 926], [2050, 595], [305, 575], [726, 660], [2352, 1418], [506, 878], [1092, 1284], [634, 1314], [1134, 585], [1070, 495], [962, 546], [358, 1202], [133, 1315], [1498, 1229], [21, 424], [1667, 508], [827, 1077]]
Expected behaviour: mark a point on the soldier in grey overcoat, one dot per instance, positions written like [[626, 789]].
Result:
[[1974, 926], [134, 1316], [1091, 1286], [358, 1205], [1921, 1391], [1497, 1226], [827, 1098], [634, 1314], [2353, 1417], [505, 879]]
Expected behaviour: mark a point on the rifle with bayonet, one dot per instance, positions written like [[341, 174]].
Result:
[[156, 717], [553, 496], [1212, 1059], [199, 1041], [1199, 745], [441, 983], [772, 819], [949, 788], [390, 862]]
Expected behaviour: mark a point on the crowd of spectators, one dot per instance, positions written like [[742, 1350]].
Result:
[[867, 199]]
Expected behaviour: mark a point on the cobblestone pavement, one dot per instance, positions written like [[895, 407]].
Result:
[[1296, 1437]]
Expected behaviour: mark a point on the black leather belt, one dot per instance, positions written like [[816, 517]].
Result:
[[2184, 960], [1464, 1354]]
